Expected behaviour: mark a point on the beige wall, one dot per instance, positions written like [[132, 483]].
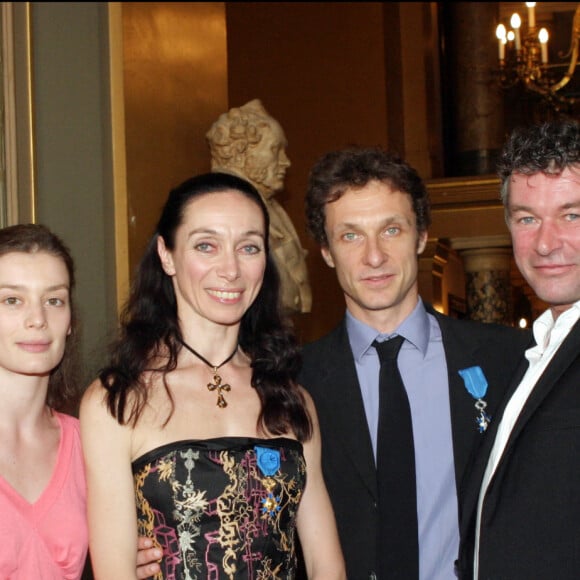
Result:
[[72, 142], [175, 83]]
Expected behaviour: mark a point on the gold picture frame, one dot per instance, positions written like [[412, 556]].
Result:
[[17, 175]]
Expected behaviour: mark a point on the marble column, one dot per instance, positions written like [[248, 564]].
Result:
[[488, 287], [474, 100]]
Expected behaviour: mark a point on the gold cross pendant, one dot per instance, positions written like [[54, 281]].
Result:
[[217, 384]]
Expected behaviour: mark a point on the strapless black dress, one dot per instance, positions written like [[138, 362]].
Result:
[[222, 508]]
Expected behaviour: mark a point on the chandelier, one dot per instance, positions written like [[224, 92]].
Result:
[[523, 58]]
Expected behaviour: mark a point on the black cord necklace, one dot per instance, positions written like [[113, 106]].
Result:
[[217, 380]]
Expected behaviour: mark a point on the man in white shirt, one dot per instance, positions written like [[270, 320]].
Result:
[[521, 512]]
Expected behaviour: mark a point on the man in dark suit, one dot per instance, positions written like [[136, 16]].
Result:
[[369, 212], [521, 516]]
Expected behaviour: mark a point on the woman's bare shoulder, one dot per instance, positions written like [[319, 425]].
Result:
[[94, 399]]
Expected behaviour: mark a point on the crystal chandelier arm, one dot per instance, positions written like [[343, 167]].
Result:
[[573, 52]]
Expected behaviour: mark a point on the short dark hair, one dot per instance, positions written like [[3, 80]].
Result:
[[548, 147], [354, 167], [63, 384]]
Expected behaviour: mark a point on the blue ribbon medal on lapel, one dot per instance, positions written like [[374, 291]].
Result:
[[476, 385], [268, 462]]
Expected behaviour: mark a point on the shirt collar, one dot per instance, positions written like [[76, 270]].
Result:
[[415, 329], [545, 324]]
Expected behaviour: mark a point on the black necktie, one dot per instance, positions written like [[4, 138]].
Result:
[[398, 542]]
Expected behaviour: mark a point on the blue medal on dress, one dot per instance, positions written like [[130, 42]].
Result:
[[268, 462], [476, 385]]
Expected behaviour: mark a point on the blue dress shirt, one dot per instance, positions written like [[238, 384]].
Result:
[[423, 369]]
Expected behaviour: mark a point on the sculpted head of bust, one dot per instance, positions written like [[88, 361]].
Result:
[[250, 143]]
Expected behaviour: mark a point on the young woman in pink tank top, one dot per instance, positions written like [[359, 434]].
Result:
[[43, 530]]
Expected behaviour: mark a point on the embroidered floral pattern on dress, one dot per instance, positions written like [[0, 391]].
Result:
[[204, 503]]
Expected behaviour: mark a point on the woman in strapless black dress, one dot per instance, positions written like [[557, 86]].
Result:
[[195, 433]]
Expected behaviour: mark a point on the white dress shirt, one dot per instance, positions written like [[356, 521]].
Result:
[[549, 335]]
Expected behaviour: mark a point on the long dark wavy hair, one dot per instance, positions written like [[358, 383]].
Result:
[[64, 382], [150, 332]]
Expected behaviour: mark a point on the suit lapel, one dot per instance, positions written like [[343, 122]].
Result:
[[563, 358], [464, 348], [471, 487], [566, 354], [460, 352], [340, 381]]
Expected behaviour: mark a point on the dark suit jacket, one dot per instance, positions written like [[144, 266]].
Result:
[[329, 374], [531, 514]]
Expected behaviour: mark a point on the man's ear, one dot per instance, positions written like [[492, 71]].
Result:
[[165, 257], [421, 242], [327, 256]]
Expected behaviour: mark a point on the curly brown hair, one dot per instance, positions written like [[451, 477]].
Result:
[[548, 148], [354, 167]]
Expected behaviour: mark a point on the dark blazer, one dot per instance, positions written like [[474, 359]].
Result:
[[329, 374], [531, 514]]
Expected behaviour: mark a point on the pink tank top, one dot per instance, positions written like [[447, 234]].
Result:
[[48, 539]]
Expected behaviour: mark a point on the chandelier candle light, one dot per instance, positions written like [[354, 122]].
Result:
[[523, 57]]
